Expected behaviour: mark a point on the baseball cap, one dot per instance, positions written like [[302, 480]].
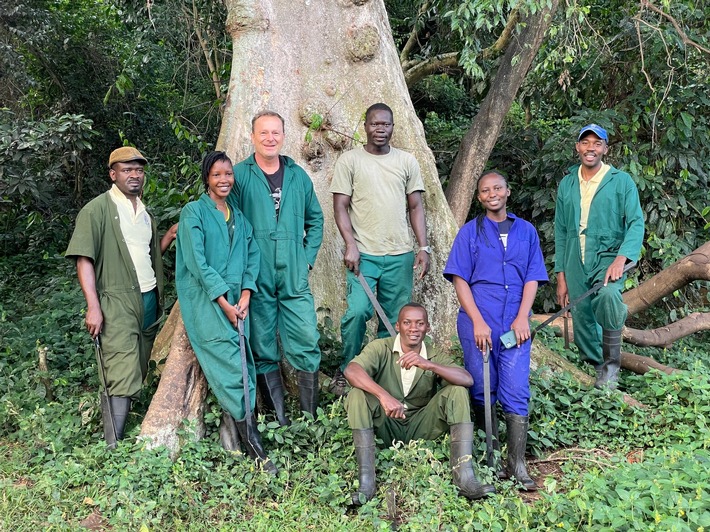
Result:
[[124, 155], [599, 131]]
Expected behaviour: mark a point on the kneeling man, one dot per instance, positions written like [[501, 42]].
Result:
[[396, 393]]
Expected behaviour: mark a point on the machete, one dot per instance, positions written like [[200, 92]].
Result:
[[245, 379], [490, 459], [380, 311], [104, 383]]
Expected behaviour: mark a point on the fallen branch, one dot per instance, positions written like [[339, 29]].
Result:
[[574, 453], [692, 267], [665, 336], [641, 365], [629, 361]]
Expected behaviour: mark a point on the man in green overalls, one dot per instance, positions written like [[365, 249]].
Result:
[[598, 228], [277, 197], [396, 394], [120, 269]]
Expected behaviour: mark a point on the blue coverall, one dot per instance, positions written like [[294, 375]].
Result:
[[496, 277]]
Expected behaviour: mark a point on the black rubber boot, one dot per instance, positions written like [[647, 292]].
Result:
[[517, 428], [120, 406], [364, 440], [597, 371], [462, 463], [228, 433], [611, 349], [308, 389], [272, 392], [479, 420], [252, 442], [109, 434]]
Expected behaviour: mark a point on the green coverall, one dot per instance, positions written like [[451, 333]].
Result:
[[429, 410], [126, 343], [207, 265], [289, 246], [615, 227]]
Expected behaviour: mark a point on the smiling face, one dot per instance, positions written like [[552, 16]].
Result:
[[591, 149], [412, 326], [268, 137], [220, 180], [493, 193], [379, 125], [128, 177]]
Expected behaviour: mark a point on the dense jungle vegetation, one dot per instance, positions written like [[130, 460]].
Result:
[[80, 77]]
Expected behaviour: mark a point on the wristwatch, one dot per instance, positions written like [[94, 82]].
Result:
[[425, 248]]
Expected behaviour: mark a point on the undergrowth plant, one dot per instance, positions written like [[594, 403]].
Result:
[[621, 467]]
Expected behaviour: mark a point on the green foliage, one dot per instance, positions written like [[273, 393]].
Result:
[[55, 470], [41, 163], [667, 491], [81, 78]]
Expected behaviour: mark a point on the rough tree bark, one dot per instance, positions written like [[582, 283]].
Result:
[[179, 401], [478, 142]]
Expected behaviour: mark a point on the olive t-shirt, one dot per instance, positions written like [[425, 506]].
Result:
[[378, 186]]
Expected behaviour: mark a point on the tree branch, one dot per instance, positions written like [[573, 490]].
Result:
[[502, 42], [692, 267], [478, 142], [640, 364], [665, 336], [429, 66], [413, 35], [208, 56], [683, 36]]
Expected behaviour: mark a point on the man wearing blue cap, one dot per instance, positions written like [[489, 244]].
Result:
[[599, 226]]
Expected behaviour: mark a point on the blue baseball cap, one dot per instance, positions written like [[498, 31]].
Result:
[[599, 131]]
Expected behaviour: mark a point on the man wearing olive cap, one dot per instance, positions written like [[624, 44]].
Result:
[[119, 265], [598, 228]]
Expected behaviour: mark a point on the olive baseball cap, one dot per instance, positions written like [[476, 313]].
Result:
[[125, 154]]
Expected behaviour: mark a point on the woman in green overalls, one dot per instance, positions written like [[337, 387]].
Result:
[[216, 268]]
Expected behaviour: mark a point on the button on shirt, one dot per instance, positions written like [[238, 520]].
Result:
[[587, 189], [407, 374], [137, 232]]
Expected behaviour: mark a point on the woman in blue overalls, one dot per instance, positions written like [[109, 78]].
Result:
[[496, 266]]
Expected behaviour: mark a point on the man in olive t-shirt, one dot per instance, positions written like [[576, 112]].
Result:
[[375, 188]]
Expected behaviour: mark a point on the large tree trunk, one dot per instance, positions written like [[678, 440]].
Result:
[[480, 139], [180, 398]]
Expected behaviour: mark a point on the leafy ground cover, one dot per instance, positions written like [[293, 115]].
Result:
[[602, 465]]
